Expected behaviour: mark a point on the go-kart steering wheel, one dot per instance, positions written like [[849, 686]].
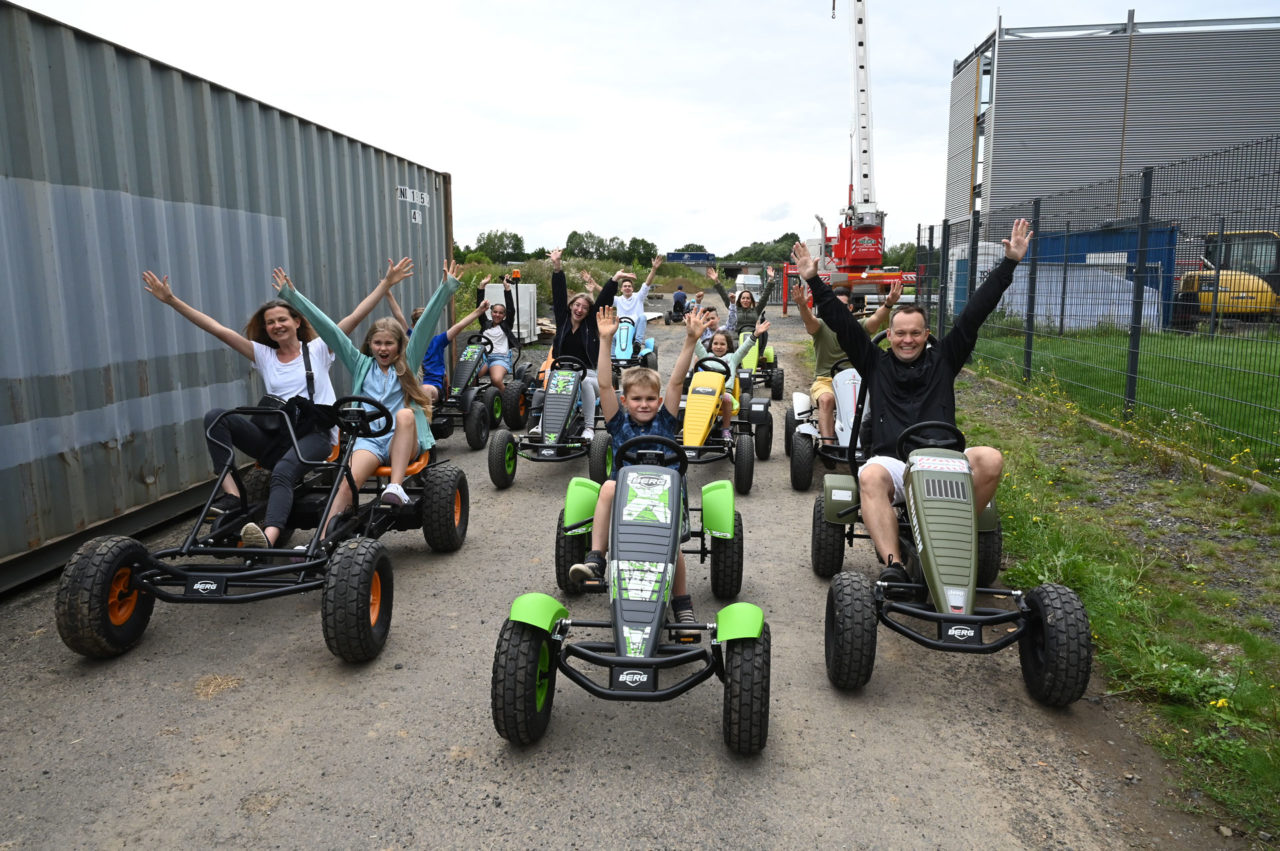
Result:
[[840, 366], [659, 451], [711, 363], [911, 438], [566, 362], [358, 421], [483, 341], [628, 320]]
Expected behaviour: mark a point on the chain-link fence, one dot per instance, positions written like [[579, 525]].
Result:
[[1150, 300]]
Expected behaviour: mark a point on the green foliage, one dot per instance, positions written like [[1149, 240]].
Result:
[[902, 255], [777, 252], [501, 245], [692, 246], [477, 258], [539, 254]]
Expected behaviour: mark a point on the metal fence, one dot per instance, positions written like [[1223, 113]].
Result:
[[1149, 301]]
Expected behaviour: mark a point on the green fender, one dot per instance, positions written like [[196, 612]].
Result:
[[739, 620], [838, 493], [540, 610], [989, 517], [580, 503], [717, 508]]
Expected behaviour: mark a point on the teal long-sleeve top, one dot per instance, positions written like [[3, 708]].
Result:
[[359, 364]]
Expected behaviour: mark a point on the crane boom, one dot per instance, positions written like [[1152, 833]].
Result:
[[864, 181]]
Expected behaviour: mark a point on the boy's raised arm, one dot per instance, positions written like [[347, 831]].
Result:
[[695, 322], [607, 324]]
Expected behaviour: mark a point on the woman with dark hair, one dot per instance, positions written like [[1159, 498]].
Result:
[[283, 346], [576, 332]]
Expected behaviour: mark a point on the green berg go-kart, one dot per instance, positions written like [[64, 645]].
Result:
[[648, 514], [939, 539], [561, 421], [110, 586], [475, 402], [763, 368], [752, 429]]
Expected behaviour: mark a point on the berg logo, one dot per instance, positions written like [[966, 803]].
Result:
[[633, 678], [963, 633], [204, 586]]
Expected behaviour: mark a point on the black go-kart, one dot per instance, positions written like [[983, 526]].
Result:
[[560, 422], [474, 403], [110, 586], [646, 648]]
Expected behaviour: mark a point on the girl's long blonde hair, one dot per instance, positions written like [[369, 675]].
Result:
[[408, 379]]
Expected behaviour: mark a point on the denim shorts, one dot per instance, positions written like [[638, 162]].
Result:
[[504, 360], [379, 446]]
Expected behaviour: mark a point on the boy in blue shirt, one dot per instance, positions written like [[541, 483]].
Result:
[[639, 411]]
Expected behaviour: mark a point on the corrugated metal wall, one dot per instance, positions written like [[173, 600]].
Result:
[[961, 140], [111, 164], [1075, 111]]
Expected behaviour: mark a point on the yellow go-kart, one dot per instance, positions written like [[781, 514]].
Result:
[[752, 429]]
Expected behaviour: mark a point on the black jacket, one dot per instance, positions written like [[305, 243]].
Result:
[[903, 394], [507, 324], [587, 335]]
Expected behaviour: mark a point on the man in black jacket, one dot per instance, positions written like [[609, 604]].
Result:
[[912, 383]]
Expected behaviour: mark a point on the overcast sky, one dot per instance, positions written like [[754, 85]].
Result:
[[720, 122]]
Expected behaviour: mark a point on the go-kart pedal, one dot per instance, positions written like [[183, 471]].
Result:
[[590, 574], [896, 579]]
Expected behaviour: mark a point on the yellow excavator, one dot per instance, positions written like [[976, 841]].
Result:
[[1240, 268]]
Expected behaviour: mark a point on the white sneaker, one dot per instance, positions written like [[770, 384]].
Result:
[[393, 494], [251, 535], [588, 433]]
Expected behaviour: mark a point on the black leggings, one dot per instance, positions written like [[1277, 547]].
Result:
[[241, 433]]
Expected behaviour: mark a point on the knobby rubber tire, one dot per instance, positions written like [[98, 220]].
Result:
[[1056, 649], [746, 693], [850, 630], [493, 403], [515, 404], [801, 462], [600, 459], [826, 542], [358, 585], [570, 550], [788, 430], [475, 423], [502, 459], [523, 686], [776, 384], [764, 440], [726, 562], [96, 613], [744, 463], [990, 554], [446, 507]]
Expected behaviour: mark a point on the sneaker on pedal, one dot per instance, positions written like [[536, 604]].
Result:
[[394, 494], [224, 504], [590, 570], [682, 608], [251, 535], [588, 433], [895, 572]]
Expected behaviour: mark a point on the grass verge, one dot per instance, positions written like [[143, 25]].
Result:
[[1178, 577]]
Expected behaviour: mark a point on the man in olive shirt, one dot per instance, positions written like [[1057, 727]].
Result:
[[827, 350]]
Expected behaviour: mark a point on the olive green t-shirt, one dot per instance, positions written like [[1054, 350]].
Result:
[[827, 350]]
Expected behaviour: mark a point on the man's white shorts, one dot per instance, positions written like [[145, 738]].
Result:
[[897, 469]]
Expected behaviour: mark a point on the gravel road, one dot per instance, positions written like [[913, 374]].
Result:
[[234, 726]]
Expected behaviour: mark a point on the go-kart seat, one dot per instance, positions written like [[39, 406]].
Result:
[[413, 469]]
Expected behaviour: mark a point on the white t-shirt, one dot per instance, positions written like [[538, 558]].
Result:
[[287, 380], [498, 337], [632, 305]]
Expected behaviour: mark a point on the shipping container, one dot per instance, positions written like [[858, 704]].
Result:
[[112, 163]]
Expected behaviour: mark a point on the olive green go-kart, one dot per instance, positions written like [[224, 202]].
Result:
[[949, 564], [643, 657]]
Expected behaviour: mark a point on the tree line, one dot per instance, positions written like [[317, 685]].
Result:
[[501, 246]]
